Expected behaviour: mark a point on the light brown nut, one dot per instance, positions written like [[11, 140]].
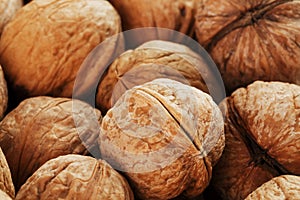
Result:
[[278, 188], [6, 184], [4, 196], [42, 128], [154, 59], [262, 131], [8, 8], [75, 177], [3, 94], [43, 47], [251, 40], [166, 136]]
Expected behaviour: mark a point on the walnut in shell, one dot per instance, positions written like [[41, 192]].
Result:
[[262, 131], [3, 94], [75, 177], [8, 8], [43, 47], [42, 128], [6, 184], [251, 40], [166, 136], [278, 188], [155, 59]]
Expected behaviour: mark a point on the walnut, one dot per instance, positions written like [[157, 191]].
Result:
[[49, 39], [262, 131], [8, 8], [165, 136], [4, 196], [154, 59], [278, 188], [6, 184], [42, 128], [3, 94], [75, 177], [251, 40]]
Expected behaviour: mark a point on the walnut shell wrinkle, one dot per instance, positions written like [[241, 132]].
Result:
[[8, 8], [6, 183]]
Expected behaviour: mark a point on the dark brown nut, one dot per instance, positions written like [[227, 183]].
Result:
[[262, 131], [278, 188], [43, 47], [42, 128], [4, 196], [154, 59], [166, 136], [3, 94], [8, 8], [75, 177], [251, 40], [6, 184]]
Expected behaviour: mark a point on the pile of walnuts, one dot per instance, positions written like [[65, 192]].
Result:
[[155, 122]]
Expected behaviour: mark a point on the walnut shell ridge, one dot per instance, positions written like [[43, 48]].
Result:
[[6, 183], [8, 8]]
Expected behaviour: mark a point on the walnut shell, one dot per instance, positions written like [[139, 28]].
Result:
[[8, 8], [75, 177], [166, 136], [262, 131], [6, 184], [278, 188], [49, 39], [251, 40], [154, 59], [3, 94], [4, 196], [42, 128]]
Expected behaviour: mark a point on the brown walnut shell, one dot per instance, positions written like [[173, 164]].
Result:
[[6, 183], [75, 177], [278, 188], [166, 136], [3, 94], [262, 131], [251, 40], [43, 47], [154, 59], [8, 8], [42, 128]]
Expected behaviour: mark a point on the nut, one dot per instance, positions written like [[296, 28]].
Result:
[[154, 59], [6, 184], [262, 131], [251, 40], [166, 136], [278, 188], [4, 196], [8, 8], [75, 177], [3, 94], [42, 128], [49, 39]]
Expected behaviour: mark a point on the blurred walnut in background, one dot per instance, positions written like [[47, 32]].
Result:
[[8, 8], [251, 40]]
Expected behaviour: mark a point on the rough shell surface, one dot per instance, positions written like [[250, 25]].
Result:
[[165, 136], [6, 184], [8, 8], [49, 40], [3, 94], [278, 188], [262, 131], [251, 40], [42, 128], [75, 177]]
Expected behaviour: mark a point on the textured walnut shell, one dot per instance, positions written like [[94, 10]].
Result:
[[262, 132], [154, 59], [75, 177], [278, 188], [42, 128], [8, 8], [251, 40], [6, 184], [3, 94], [49, 39], [4, 196], [165, 136]]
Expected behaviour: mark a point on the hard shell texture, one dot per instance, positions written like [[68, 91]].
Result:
[[8, 8], [262, 131], [278, 188], [251, 40], [165, 136], [3, 94], [6, 184], [42, 128], [75, 177]]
